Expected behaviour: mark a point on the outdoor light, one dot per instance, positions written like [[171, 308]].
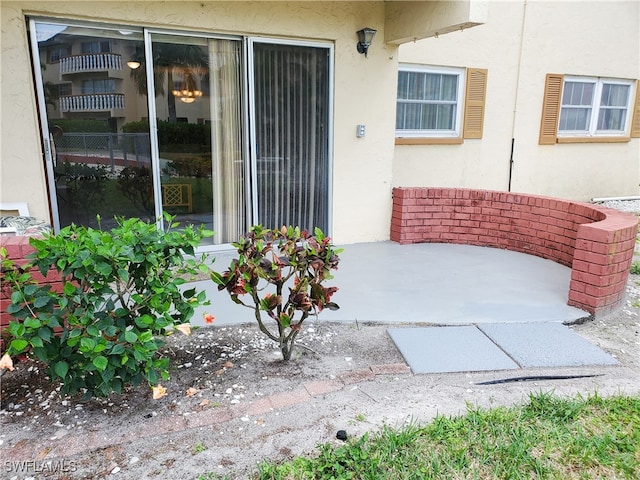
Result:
[[365, 37], [133, 64]]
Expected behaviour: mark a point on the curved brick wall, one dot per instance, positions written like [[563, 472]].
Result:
[[597, 243]]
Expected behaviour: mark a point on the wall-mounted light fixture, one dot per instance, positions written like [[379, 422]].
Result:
[[365, 37], [133, 64]]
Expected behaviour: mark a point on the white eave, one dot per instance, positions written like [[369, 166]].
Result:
[[410, 21]]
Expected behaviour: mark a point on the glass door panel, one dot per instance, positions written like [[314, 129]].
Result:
[[291, 103], [101, 160], [199, 124]]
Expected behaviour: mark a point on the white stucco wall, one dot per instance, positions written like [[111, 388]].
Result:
[[364, 92], [520, 43]]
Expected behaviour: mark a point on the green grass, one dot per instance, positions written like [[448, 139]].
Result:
[[548, 438]]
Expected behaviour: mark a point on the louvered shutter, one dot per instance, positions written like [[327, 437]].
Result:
[[550, 109], [475, 99], [635, 122]]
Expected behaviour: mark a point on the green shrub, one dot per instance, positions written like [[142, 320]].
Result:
[[69, 125], [196, 166], [120, 294], [176, 137], [270, 260]]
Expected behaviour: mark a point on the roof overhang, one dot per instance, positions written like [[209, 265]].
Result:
[[410, 21]]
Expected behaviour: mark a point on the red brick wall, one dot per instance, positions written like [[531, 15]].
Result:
[[17, 250], [596, 242]]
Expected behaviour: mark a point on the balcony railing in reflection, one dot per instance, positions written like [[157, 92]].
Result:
[[92, 103], [90, 62]]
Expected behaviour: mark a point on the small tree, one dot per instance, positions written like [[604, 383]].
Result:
[[120, 295], [270, 261]]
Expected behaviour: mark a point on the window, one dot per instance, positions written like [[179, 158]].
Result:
[[587, 109], [104, 85], [98, 46], [439, 104], [56, 53], [428, 102], [64, 89]]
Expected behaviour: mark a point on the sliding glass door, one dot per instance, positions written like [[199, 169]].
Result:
[[139, 122]]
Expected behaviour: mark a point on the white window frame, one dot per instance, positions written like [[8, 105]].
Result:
[[592, 130], [459, 112]]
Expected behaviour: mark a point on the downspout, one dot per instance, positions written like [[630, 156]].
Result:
[[515, 100]]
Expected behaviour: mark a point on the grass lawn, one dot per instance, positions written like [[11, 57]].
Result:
[[549, 437]]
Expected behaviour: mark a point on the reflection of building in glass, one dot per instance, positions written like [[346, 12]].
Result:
[[85, 78], [92, 78]]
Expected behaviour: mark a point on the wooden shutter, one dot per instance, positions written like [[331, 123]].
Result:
[[550, 109], [635, 122], [474, 102]]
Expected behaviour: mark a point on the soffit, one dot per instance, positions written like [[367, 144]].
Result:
[[411, 21]]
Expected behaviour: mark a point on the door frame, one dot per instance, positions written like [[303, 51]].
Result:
[[250, 75]]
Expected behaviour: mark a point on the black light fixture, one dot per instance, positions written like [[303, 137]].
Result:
[[365, 37]]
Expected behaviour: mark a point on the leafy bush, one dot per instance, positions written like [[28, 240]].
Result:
[[270, 260], [176, 137], [198, 166], [72, 125], [85, 185], [120, 293], [136, 184]]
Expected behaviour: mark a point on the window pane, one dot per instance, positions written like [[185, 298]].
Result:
[[292, 145], [577, 93], [102, 156], [432, 87], [575, 119], [403, 84], [614, 95], [449, 88], [611, 119], [437, 117], [200, 136]]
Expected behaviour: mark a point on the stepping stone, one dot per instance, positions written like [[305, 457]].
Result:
[[545, 345], [449, 349]]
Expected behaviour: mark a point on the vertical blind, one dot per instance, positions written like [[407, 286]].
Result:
[[292, 153]]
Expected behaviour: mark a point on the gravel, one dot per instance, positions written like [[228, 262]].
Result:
[[630, 206]]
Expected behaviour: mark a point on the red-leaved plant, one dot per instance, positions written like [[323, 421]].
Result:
[[282, 272]]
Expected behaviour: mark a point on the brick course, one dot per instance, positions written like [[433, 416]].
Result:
[[18, 248], [597, 243]]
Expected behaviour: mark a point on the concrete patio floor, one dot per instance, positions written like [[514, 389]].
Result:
[[491, 309], [443, 284]]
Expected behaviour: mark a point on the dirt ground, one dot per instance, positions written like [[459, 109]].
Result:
[[231, 402]]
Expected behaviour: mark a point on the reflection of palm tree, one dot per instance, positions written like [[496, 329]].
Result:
[[188, 61], [51, 93]]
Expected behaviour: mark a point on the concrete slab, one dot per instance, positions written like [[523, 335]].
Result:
[[428, 283], [449, 349], [545, 345]]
